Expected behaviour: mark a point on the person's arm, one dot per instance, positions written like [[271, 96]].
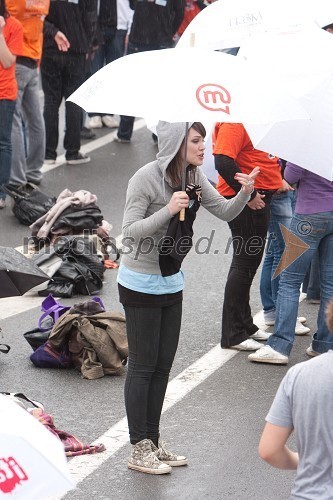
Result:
[[221, 207], [280, 425], [227, 168], [7, 59], [139, 197], [273, 449]]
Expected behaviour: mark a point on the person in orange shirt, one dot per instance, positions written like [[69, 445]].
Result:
[[234, 152], [11, 36], [28, 156]]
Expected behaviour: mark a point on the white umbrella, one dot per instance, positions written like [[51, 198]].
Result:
[[33, 463], [304, 60], [228, 23], [187, 85]]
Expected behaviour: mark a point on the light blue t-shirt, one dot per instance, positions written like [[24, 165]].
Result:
[[304, 401], [154, 284]]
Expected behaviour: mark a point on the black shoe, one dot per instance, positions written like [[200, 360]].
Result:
[[87, 134], [36, 183], [121, 141]]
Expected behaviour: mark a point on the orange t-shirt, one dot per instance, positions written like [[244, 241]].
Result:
[[231, 139], [31, 13], [13, 34]]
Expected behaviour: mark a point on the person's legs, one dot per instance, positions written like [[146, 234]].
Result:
[[6, 119], [169, 336], [73, 76], [249, 230], [96, 64], [323, 339], [313, 284], [281, 213], [35, 129], [18, 166], [310, 229], [148, 366], [51, 67]]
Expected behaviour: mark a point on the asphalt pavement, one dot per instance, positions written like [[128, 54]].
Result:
[[217, 402]]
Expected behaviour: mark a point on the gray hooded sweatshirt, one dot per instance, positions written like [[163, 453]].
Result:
[[146, 216]]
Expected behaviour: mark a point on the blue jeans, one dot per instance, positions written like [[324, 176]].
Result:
[[282, 208], [311, 283], [7, 109], [316, 230]]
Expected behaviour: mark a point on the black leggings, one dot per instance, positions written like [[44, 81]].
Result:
[[153, 335]]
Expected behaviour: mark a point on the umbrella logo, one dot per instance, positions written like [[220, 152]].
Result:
[[11, 474], [250, 19], [213, 97]]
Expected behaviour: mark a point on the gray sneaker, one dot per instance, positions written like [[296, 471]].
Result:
[[144, 459], [167, 456]]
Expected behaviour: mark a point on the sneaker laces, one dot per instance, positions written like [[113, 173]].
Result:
[[162, 452]]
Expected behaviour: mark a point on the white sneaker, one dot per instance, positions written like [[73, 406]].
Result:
[[310, 352], [246, 345], [95, 122], [268, 355], [260, 335], [271, 322], [109, 121], [301, 329]]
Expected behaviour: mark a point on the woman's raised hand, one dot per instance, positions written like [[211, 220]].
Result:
[[247, 180], [178, 201]]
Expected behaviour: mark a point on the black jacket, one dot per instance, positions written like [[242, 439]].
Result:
[[77, 20], [155, 23]]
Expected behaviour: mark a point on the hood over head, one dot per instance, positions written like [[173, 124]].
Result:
[[170, 137]]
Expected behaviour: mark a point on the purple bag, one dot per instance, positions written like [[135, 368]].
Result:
[[53, 308], [46, 356]]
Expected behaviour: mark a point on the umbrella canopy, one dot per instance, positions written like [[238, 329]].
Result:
[[18, 274], [187, 85], [305, 62], [32, 461], [228, 23]]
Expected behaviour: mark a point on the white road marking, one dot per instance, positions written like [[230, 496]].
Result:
[[92, 145]]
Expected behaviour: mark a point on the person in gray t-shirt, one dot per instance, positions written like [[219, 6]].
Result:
[[304, 403]]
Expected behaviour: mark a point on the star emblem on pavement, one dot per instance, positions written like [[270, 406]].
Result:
[[294, 248]]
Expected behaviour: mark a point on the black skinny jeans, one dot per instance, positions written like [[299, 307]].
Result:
[[153, 335], [249, 232]]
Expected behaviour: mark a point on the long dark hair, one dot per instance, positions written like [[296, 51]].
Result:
[[174, 169], [3, 11]]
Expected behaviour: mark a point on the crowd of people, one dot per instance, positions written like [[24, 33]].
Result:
[[263, 198]]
